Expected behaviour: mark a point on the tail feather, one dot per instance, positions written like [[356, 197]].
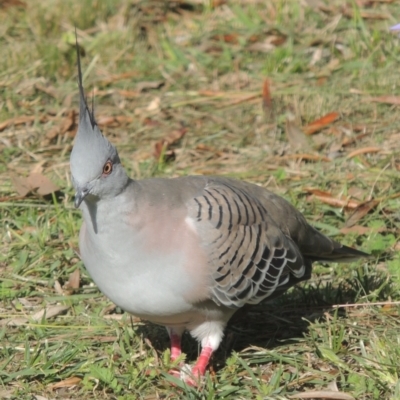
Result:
[[340, 253]]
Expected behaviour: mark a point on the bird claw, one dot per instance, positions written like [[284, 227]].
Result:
[[186, 375]]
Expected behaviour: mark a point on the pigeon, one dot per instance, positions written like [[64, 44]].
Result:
[[187, 252]]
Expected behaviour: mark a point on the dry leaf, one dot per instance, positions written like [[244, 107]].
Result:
[[12, 3], [316, 57], [115, 78], [244, 99], [227, 38], [277, 38], [204, 147], [317, 125], [327, 198], [317, 192], [119, 317], [321, 80], [109, 309], [265, 45], [154, 105], [150, 122], [67, 124], [357, 192], [35, 182], [267, 99], [387, 308], [295, 135], [393, 100], [162, 146], [364, 150], [128, 93], [105, 120], [338, 202], [350, 140], [144, 86], [123, 119], [19, 321], [106, 339], [74, 280], [218, 3], [20, 121], [211, 93], [305, 157], [236, 79], [7, 394], [332, 201], [41, 184], [322, 394], [262, 47], [57, 287], [124, 93], [21, 185], [26, 88], [349, 11], [360, 211], [360, 230], [49, 312], [49, 90], [69, 382], [332, 386]]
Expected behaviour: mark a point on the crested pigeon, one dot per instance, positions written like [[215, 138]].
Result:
[[186, 253]]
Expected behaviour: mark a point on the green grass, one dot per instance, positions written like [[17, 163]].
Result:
[[332, 58]]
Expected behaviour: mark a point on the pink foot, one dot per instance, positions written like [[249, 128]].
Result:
[[175, 373], [191, 382], [184, 374], [199, 369], [193, 377]]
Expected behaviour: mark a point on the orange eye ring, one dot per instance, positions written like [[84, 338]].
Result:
[[107, 169]]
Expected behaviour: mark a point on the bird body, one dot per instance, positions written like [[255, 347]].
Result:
[[153, 243], [187, 252]]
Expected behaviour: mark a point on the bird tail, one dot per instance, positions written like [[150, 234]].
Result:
[[340, 253]]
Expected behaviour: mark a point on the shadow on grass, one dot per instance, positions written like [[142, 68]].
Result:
[[281, 321]]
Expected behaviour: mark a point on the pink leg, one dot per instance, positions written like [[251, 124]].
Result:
[[199, 368], [176, 350]]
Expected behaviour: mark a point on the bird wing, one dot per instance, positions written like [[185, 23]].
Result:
[[249, 254], [257, 243]]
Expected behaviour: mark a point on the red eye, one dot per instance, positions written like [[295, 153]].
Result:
[[107, 169]]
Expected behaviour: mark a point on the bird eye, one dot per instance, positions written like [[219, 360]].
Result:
[[107, 168]]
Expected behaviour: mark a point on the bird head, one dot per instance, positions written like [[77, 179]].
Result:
[[96, 169]]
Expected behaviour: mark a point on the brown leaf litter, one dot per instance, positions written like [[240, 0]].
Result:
[[35, 183], [162, 147]]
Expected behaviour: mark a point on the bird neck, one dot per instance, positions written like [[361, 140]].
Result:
[[105, 205]]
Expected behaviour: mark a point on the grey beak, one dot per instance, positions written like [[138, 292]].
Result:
[[79, 196]]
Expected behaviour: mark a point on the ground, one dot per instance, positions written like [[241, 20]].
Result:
[[299, 97]]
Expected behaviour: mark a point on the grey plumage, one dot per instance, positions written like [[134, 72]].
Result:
[[186, 252]]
